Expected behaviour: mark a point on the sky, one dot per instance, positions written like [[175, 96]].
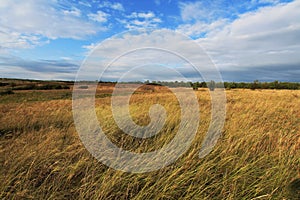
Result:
[[245, 39]]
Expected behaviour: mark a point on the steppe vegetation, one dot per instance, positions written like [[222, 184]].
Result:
[[257, 156]]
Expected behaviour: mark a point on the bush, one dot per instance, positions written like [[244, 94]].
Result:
[[3, 84], [7, 91], [24, 87], [83, 87]]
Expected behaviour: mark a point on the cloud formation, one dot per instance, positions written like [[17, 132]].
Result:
[[141, 20], [265, 39], [247, 40], [262, 43], [99, 16], [16, 67], [114, 6], [154, 55], [25, 24]]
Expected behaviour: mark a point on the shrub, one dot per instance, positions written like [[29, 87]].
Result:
[[7, 91]]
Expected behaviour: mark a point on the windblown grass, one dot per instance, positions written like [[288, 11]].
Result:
[[256, 157]]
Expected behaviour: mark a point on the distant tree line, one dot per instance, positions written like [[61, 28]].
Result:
[[13, 86], [263, 85], [40, 87], [227, 85], [50, 85], [246, 85], [162, 83]]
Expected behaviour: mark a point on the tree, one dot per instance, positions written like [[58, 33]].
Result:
[[254, 85], [194, 85]]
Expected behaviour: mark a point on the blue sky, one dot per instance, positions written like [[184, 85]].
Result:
[[246, 39]]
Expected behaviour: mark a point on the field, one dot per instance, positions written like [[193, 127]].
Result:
[[256, 157]]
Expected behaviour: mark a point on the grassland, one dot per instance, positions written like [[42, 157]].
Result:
[[256, 157]]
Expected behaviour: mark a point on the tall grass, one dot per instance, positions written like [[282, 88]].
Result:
[[256, 157]]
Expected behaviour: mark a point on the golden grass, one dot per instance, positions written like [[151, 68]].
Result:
[[256, 157]]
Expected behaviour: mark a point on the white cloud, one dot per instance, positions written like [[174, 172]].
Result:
[[201, 17], [115, 6], [145, 15], [99, 16], [27, 23], [266, 38], [84, 3], [74, 11], [192, 10], [141, 20], [15, 40], [16, 67], [200, 29], [269, 1], [138, 64], [89, 47], [19, 72], [206, 11]]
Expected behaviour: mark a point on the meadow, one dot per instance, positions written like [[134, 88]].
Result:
[[256, 157]]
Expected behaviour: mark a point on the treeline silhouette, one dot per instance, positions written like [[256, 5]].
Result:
[[25, 84], [246, 85], [41, 87], [228, 85]]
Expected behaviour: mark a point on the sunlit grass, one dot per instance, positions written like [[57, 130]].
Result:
[[257, 155]]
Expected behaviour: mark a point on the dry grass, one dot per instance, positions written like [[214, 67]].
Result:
[[257, 156]]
